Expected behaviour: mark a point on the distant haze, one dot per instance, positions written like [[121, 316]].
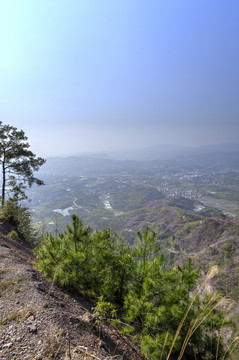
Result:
[[93, 76], [227, 152]]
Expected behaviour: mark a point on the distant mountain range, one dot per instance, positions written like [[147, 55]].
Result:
[[163, 152], [210, 156]]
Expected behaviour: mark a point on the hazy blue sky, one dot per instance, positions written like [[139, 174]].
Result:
[[87, 75]]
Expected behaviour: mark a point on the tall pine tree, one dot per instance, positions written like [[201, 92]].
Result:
[[17, 161]]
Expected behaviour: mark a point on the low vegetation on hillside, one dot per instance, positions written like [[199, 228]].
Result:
[[162, 309]]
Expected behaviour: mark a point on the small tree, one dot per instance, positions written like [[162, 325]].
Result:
[[17, 161]]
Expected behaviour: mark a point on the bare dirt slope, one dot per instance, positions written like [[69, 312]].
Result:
[[40, 321]]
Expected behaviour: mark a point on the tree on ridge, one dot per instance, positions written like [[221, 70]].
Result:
[[17, 161]]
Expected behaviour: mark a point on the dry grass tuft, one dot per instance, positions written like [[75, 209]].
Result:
[[54, 345], [7, 269], [23, 313], [7, 284], [216, 301]]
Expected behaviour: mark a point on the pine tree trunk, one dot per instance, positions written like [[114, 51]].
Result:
[[3, 181]]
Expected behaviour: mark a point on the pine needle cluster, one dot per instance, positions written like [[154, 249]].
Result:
[[91, 263]]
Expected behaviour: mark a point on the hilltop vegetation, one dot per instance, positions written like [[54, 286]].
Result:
[[162, 308], [41, 321], [190, 208], [143, 287], [155, 302]]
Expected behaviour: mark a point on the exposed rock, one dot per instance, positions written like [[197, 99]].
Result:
[[41, 287], [32, 328]]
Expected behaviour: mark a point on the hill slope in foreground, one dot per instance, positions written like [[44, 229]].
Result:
[[40, 321]]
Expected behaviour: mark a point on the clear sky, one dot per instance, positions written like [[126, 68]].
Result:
[[93, 75]]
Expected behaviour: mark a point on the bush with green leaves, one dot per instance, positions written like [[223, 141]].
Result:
[[104, 311], [158, 300], [20, 217], [162, 308], [13, 235], [92, 263]]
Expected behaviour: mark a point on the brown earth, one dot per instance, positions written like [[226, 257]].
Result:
[[40, 321]]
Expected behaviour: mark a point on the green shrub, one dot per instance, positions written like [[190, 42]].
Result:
[[160, 312], [104, 311], [190, 226], [158, 307], [20, 217], [13, 235], [93, 264]]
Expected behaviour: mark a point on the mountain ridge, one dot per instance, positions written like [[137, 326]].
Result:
[[159, 152]]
